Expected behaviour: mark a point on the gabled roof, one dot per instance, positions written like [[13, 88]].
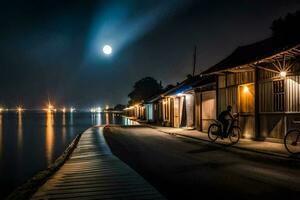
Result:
[[183, 86], [253, 53]]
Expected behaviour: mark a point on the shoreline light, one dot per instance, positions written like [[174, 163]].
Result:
[[50, 108], [19, 109]]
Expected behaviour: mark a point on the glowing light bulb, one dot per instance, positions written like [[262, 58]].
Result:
[[282, 74], [246, 89]]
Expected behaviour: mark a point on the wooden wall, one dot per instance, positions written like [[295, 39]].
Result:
[[205, 109]]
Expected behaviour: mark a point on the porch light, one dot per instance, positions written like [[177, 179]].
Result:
[[246, 89], [282, 74]]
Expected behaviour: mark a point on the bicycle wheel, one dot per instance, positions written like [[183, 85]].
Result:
[[235, 135], [213, 132], [292, 141]]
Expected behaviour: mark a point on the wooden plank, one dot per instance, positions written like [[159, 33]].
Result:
[[93, 172]]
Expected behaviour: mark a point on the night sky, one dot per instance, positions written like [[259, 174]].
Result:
[[52, 49]]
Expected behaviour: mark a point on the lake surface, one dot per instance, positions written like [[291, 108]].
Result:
[[30, 141]]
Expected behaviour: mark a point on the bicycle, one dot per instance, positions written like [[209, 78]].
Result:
[[215, 130], [292, 140]]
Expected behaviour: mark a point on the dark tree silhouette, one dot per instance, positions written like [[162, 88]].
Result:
[[287, 28], [119, 107], [143, 89]]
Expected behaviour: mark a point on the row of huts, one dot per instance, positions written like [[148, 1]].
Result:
[[261, 81]]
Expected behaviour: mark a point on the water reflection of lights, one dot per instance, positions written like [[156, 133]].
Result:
[[49, 136], [1, 133], [71, 119], [107, 118], [64, 128], [20, 131], [98, 119]]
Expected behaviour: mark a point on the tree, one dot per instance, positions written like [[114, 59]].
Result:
[[287, 28], [143, 89], [119, 107]]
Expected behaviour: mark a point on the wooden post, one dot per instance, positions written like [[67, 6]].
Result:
[[201, 119], [217, 96], [194, 65], [256, 114]]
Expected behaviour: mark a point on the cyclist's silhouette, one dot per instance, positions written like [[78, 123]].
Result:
[[225, 118]]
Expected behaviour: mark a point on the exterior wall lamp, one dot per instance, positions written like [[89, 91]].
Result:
[[282, 74]]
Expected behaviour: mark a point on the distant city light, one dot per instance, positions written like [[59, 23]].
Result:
[[1, 109], [96, 109], [19, 109], [50, 108], [72, 109], [107, 49], [63, 110]]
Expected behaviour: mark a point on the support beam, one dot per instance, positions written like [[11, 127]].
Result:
[[258, 135]]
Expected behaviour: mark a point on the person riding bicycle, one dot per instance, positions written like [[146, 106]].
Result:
[[225, 118]]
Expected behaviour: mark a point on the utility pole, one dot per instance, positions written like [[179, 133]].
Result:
[[194, 65]]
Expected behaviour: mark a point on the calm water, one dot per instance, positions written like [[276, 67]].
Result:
[[30, 141]]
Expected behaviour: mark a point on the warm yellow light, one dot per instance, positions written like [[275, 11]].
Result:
[[50, 108], [1, 109], [282, 74], [19, 109], [246, 89], [63, 110]]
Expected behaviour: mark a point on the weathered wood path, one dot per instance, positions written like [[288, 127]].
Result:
[[93, 172]]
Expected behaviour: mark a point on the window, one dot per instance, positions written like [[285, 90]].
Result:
[[278, 95], [246, 98]]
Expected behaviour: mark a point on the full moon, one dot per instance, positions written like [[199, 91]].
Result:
[[107, 49]]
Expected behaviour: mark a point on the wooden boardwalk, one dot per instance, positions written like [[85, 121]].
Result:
[[93, 172]]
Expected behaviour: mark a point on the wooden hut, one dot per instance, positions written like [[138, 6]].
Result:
[[261, 82]]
